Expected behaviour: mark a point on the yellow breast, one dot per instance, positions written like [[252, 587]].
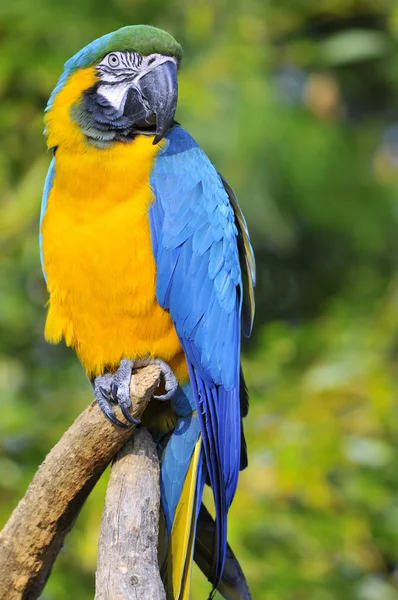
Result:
[[98, 255]]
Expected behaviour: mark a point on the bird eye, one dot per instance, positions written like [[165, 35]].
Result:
[[113, 60]]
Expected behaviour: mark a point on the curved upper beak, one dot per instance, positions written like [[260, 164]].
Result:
[[155, 97]]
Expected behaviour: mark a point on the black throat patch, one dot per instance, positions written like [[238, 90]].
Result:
[[101, 122]]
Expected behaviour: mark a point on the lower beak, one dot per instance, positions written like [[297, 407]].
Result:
[[159, 91]]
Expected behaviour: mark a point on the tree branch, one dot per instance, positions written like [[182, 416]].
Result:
[[34, 534], [128, 546]]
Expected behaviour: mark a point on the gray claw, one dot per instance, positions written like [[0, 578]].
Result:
[[166, 396], [121, 391], [102, 395], [170, 380], [115, 388], [128, 416], [105, 394], [114, 391]]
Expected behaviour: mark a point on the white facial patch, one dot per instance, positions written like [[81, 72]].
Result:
[[120, 71], [115, 94]]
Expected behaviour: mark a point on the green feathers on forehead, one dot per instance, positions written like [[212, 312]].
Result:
[[135, 38]]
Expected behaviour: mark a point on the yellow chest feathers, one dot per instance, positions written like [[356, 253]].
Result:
[[98, 258]]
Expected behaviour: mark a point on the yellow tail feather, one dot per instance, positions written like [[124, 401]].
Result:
[[181, 542]]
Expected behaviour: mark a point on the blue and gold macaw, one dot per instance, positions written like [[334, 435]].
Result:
[[147, 258]]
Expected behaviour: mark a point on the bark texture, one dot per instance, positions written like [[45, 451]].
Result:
[[128, 546], [34, 534]]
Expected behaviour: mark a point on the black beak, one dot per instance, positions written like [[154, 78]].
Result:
[[158, 102]]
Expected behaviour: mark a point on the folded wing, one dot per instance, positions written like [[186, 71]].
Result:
[[199, 244]]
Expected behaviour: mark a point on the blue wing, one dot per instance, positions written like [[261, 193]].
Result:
[[46, 192], [197, 240]]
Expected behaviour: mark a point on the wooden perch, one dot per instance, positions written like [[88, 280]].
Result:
[[128, 547], [35, 532]]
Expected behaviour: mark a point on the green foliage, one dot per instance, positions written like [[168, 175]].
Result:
[[294, 103]]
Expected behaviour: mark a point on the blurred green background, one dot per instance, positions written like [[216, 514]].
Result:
[[295, 102]]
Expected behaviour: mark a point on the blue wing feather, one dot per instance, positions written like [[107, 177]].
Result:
[[178, 453], [195, 242], [44, 201]]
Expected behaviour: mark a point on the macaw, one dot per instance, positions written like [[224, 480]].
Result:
[[147, 258]]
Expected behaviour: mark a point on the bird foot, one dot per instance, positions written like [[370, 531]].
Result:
[[169, 379], [114, 388]]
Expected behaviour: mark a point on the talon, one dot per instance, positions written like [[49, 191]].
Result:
[[170, 383], [102, 396], [167, 396], [128, 416], [111, 416], [124, 405], [170, 380], [114, 389], [105, 393]]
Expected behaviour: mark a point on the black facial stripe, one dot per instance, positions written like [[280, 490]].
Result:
[[119, 72], [124, 60], [121, 78], [134, 59]]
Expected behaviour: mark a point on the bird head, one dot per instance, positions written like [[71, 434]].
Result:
[[120, 85]]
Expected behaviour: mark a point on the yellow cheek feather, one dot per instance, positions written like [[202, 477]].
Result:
[[60, 128], [97, 246]]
